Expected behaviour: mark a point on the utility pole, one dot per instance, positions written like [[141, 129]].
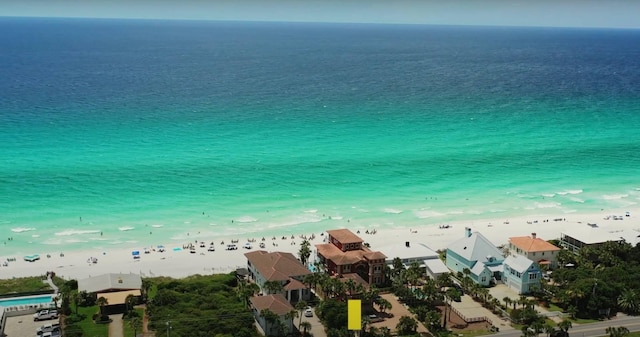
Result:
[[168, 328]]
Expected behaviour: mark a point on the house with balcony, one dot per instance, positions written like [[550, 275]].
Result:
[[521, 274], [535, 249], [281, 267], [590, 236], [278, 305], [345, 253], [476, 253]]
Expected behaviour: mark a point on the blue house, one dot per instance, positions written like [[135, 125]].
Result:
[[521, 274], [479, 255]]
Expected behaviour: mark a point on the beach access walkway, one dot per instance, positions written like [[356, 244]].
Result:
[[468, 309], [115, 327], [53, 286]]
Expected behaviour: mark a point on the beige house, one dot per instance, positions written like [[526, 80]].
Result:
[[535, 249], [281, 267]]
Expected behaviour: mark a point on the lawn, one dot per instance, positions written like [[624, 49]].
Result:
[[473, 333], [128, 331], [89, 328], [553, 307]]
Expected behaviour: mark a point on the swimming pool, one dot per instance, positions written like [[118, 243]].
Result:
[[27, 300]]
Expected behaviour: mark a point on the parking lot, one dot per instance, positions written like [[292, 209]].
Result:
[[23, 326]]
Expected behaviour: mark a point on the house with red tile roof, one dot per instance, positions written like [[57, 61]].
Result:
[[278, 305], [345, 253], [281, 267], [535, 249]]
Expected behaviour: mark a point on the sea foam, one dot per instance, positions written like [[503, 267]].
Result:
[[77, 232], [125, 228], [22, 229]]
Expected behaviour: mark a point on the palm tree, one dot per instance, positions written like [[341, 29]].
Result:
[[507, 301], [537, 326], [350, 285], [269, 318], [548, 329], [102, 302], [135, 323], [300, 306], [407, 326], [273, 287], [384, 305], [129, 302], [628, 301], [565, 325], [305, 326], [617, 331], [144, 289], [304, 252]]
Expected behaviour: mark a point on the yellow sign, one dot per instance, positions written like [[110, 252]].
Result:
[[355, 315]]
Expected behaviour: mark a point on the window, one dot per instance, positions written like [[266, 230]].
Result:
[[534, 253], [376, 269], [346, 269], [533, 276], [484, 279]]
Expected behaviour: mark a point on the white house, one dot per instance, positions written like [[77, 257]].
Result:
[[419, 253]]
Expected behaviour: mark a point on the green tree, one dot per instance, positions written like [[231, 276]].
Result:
[[135, 323], [565, 325], [102, 302], [301, 306], [617, 331], [273, 287], [129, 301], [407, 326], [628, 301], [269, 319], [304, 252], [305, 326]]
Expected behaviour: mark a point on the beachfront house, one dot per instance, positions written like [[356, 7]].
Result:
[[476, 253], [279, 267], [114, 288], [425, 257], [521, 274], [535, 249], [344, 253], [276, 304], [589, 236]]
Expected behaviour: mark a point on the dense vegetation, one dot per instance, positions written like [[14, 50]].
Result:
[[199, 306], [598, 282], [27, 285]]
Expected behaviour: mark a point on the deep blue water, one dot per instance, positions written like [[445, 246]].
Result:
[[290, 127]]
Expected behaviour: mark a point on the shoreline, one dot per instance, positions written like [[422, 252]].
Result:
[[178, 262]]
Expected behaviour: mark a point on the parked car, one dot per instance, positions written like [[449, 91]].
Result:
[[308, 312], [48, 328], [45, 315]]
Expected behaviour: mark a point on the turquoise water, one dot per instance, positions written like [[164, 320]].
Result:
[[138, 133], [25, 301]]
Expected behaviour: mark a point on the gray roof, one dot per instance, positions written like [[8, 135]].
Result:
[[110, 281], [475, 248], [436, 266], [518, 263], [418, 251], [592, 235]]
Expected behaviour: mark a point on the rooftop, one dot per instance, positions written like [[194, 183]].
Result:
[[277, 303], [418, 251], [475, 247], [107, 282], [276, 266], [518, 263], [593, 235], [341, 258], [532, 244], [344, 236]]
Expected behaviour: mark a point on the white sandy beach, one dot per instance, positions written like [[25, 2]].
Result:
[[75, 264]]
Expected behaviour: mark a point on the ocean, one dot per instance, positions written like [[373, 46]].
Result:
[[128, 133]]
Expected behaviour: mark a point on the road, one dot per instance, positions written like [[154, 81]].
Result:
[[591, 329]]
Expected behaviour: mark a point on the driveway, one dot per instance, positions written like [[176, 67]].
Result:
[[115, 327], [398, 310], [317, 329]]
